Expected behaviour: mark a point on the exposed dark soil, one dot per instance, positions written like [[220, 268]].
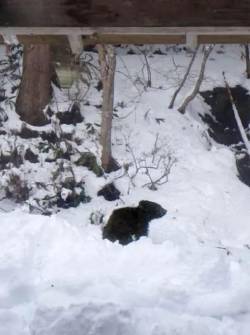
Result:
[[222, 125], [243, 166], [109, 192]]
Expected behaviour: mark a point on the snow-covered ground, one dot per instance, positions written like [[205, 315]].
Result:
[[191, 274]]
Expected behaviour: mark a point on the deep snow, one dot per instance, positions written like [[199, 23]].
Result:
[[190, 276]]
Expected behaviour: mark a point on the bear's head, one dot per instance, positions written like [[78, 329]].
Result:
[[151, 210]]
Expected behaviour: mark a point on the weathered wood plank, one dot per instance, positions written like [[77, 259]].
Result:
[[61, 41], [134, 39], [85, 31], [127, 13], [223, 39]]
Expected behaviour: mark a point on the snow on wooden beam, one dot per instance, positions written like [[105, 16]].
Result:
[[76, 44], [191, 40]]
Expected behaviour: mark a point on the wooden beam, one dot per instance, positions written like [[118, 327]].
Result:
[[60, 46], [56, 40], [135, 35], [134, 39], [125, 30], [223, 39]]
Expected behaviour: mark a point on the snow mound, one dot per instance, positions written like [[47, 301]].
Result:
[[101, 319]]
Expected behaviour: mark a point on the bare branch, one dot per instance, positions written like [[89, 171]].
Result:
[[155, 165], [171, 105]]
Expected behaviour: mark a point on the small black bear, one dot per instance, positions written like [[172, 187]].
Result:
[[130, 223]]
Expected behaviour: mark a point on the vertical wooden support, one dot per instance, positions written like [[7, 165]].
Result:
[[76, 44], [191, 40]]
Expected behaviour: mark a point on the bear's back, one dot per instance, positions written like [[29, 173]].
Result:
[[130, 223], [121, 225]]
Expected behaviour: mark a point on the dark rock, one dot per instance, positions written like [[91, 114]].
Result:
[[222, 125], [58, 153], [131, 52], [130, 223], [243, 166], [49, 112], [30, 156], [90, 48], [89, 161], [3, 132], [63, 155], [73, 116], [3, 115], [2, 94], [158, 52], [67, 136], [4, 161], [14, 158], [49, 136], [27, 133], [50, 160], [109, 192], [73, 200], [112, 166], [17, 189], [99, 86]]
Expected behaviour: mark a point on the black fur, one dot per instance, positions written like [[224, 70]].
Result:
[[129, 223]]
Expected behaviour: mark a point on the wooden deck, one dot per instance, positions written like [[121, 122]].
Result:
[[127, 21], [124, 13]]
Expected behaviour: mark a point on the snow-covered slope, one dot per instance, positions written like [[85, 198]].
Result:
[[190, 275]]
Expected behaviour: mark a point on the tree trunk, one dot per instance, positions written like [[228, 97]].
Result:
[[171, 105], [107, 60], [247, 61], [35, 89], [189, 98]]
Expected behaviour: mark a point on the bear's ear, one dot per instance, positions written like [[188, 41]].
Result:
[[142, 204]]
